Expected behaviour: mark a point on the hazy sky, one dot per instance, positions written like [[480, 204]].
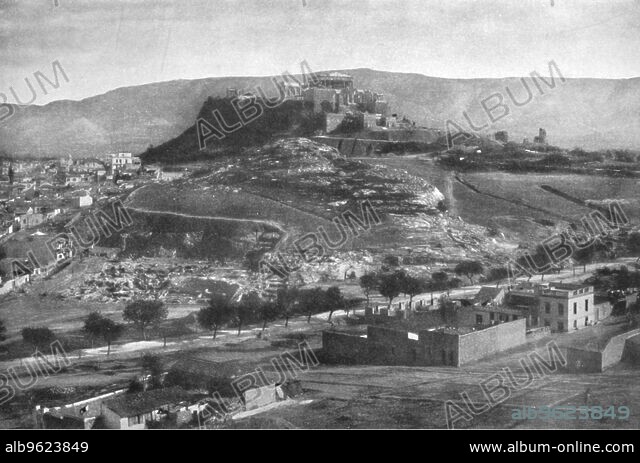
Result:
[[105, 44]]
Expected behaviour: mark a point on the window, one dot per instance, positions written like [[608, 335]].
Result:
[[547, 307], [478, 319], [560, 326], [586, 305], [560, 309], [575, 308]]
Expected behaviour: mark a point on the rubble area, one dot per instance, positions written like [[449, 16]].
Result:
[[172, 281]]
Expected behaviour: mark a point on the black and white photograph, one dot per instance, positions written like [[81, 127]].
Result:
[[320, 215]]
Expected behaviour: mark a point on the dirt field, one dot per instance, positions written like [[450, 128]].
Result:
[[414, 397]]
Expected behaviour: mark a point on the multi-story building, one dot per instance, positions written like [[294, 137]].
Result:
[[564, 307], [124, 161]]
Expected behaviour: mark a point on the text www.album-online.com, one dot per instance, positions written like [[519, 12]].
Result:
[[572, 447]]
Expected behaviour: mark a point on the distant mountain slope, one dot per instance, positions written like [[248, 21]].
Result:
[[593, 113]]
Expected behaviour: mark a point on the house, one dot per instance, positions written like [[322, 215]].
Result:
[[489, 295], [137, 410], [191, 372], [264, 395], [28, 218], [124, 161], [81, 201], [83, 414], [490, 315], [567, 306], [10, 278]]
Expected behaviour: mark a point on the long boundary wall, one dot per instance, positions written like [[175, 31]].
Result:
[[386, 346], [592, 361], [489, 341]]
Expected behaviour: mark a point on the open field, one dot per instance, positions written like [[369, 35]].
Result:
[[484, 210]]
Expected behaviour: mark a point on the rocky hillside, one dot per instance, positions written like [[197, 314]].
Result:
[[292, 187]]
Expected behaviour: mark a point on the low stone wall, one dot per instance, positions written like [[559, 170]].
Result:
[[614, 349], [489, 341], [344, 348], [592, 361], [392, 347], [631, 352]]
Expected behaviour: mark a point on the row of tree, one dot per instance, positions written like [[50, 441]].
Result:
[[220, 311], [390, 284], [289, 302]]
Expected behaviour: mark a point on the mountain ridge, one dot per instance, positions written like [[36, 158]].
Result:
[[587, 112]]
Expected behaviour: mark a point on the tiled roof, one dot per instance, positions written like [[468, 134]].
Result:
[[134, 404]]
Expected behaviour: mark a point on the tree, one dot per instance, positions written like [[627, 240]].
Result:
[[312, 301], [217, 313], [268, 311], [584, 256], [92, 326], [286, 300], [111, 331], [39, 338], [97, 326], [390, 286], [411, 287], [439, 280], [391, 261], [622, 279], [469, 268], [634, 242], [152, 366], [498, 274], [368, 283], [143, 313], [334, 300], [247, 308]]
